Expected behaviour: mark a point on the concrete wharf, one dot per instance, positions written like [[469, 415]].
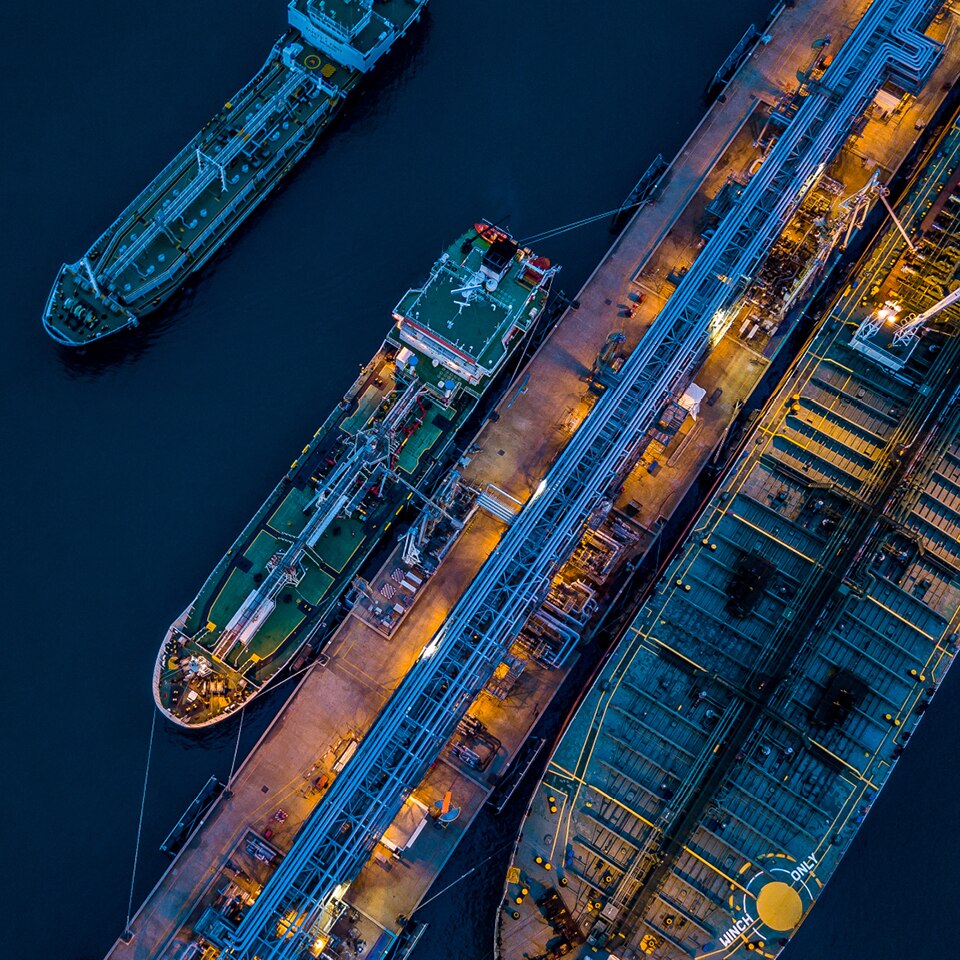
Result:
[[338, 701]]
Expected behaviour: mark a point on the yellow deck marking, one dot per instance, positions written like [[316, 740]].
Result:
[[677, 653], [767, 533], [717, 871], [861, 777], [909, 623], [607, 796], [779, 906]]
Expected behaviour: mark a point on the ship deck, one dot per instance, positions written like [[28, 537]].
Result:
[[716, 772], [246, 625], [474, 326], [328, 565], [397, 12], [291, 765]]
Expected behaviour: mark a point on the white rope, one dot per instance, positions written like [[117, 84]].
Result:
[[463, 876], [146, 779], [243, 710], [556, 231], [236, 749], [143, 804]]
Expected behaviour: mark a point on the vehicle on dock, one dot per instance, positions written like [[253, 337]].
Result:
[[382, 449], [196, 202]]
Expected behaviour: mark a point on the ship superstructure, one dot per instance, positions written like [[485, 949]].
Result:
[[187, 212], [717, 770], [381, 450]]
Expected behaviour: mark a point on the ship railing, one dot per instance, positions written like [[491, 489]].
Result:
[[237, 199], [220, 226], [208, 169], [143, 200], [336, 497], [254, 522], [423, 711], [328, 24], [339, 495], [82, 272], [217, 227]]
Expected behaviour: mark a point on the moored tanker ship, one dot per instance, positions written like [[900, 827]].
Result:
[[718, 768], [382, 448], [196, 202]]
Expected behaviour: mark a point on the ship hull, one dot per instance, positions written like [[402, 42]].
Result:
[[720, 763]]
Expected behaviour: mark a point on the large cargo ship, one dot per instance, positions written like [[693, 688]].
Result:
[[383, 448], [196, 202], [720, 765]]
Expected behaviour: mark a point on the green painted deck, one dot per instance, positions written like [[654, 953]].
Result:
[[417, 445], [328, 567], [289, 517], [336, 548], [278, 626], [315, 583], [261, 550], [475, 326], [239, 584], [368, 401]]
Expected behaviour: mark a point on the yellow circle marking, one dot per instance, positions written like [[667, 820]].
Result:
[[311, 61], [779, 906]]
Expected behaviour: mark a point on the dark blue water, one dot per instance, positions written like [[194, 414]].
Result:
[[126, 472]]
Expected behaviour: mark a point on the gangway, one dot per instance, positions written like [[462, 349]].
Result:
[[287, 919], [907, 331], [888, 339], [851, 214]]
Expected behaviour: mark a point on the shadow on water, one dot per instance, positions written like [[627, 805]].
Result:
[[131, 345]]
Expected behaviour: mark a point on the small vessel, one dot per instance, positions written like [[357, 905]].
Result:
[[209, 188], [384, 450]]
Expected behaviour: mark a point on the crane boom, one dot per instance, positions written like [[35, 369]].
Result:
[[908, 330]]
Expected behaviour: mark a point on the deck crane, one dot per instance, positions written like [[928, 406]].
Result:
[[835, 234], [895, 351], [856, 206], [911, 325], [882, 191], [909, 330]]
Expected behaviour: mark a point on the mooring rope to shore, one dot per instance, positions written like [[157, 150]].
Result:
[[146, 783], [556, 231], [143, 804], [236, 750]]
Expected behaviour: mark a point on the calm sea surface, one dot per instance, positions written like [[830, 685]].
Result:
[[126, 472]]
